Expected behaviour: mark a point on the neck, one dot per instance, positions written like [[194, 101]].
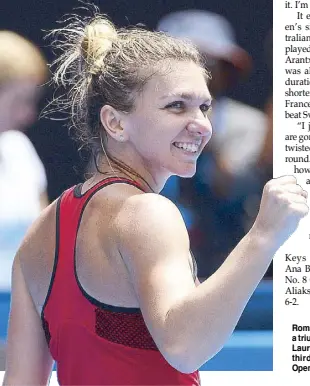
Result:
[[117, 168]]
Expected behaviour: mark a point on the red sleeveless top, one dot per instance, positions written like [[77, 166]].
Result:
[[94, 343]]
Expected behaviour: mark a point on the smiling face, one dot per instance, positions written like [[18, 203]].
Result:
[[169, 126]]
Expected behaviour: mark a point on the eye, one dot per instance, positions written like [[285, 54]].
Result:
[[206, 109], [178, 105]]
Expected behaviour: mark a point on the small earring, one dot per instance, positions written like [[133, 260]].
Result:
[[121, 137]]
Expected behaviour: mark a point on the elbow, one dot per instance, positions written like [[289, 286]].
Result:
[[177, 351], [182, 360], [185, 352], [186, 368], [189, 358]]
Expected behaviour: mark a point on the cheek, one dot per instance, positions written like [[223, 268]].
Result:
[[152, 134], [143, 130]]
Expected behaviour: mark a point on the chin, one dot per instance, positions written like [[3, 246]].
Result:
[[187, 173]]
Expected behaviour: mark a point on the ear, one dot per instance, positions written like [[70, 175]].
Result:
[[110, 120]]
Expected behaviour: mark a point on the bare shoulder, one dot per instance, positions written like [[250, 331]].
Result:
[[39, 233], [148, 214], [36, 254], [135, 213], [154, 244]]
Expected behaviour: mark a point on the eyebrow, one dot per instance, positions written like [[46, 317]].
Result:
[[188, 96]]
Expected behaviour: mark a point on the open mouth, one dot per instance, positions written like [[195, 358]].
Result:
[[191, 148]]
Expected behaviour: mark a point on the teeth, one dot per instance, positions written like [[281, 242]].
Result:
[[191, 147]]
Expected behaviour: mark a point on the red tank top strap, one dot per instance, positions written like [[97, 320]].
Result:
[[69, 212], [72, 205], [91, 342], [77, 190]]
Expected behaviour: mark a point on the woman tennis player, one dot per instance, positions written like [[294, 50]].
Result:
[[104, 282]]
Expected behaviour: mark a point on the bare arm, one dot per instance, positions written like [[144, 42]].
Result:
[[189, 323], [44, 200], [28, 358], [204, 319]]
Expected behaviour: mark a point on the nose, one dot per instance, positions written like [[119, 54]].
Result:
[[202, 127]]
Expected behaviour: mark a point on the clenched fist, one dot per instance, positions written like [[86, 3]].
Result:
[[283, 205]]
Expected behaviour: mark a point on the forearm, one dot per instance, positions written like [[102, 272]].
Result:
[[203, 321]]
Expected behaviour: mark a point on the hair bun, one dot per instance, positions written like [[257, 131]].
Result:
[[98, 38]]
